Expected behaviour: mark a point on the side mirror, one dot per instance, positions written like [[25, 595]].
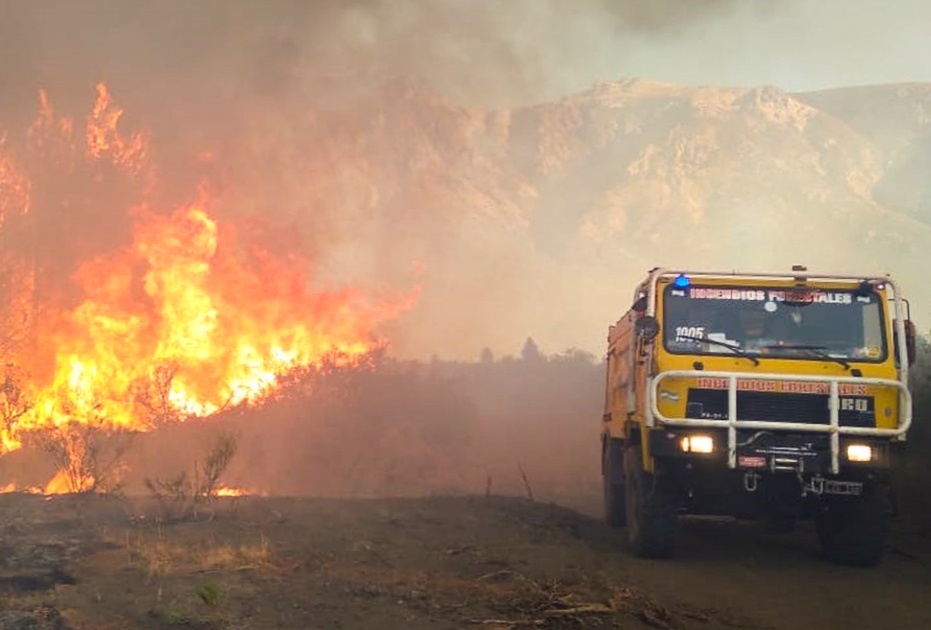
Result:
[[910, 347], [910, 341], [647, 327]]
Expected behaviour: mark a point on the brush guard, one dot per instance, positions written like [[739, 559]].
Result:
[[833, 428]]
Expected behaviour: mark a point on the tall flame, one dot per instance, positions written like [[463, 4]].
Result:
[[186, 318], [103, 138]]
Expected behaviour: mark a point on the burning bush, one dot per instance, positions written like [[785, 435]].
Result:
[[122, 311], [87, 457]]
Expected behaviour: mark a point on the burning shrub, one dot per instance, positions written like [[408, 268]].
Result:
[[15, 402], [87, 458], [134, 311], [152, 396]]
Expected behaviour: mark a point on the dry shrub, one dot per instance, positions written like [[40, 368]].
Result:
[[188, 497], [913, 478]]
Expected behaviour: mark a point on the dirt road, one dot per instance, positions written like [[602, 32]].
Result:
[[86, 562], [782, 582]]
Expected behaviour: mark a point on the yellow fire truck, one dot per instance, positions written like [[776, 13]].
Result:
[[776, 396]]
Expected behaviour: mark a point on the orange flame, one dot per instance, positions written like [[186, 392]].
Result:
[[58, 484], [14, 187], [186, 319], [233, 492], [103, 136]]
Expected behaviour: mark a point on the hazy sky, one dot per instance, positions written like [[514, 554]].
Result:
[[795, 44], [487, 51]]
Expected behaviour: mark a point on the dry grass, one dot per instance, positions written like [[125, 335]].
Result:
[[184, 497], [158, 555]]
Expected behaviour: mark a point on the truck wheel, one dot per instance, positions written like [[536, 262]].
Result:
[[612, 472], [852, 530], [651, 511]]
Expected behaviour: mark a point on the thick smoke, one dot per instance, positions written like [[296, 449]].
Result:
[[277, 94], [490, 53], [379, 137], [288, 102], [184, 52]]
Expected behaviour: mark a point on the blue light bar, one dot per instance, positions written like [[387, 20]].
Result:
[[681, 281]]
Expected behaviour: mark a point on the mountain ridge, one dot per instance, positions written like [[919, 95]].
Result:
[[565, 204]]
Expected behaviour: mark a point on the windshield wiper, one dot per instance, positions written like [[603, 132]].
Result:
[[816, 350], [734, 348]]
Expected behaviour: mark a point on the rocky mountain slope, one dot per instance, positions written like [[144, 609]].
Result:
[[538, 220]]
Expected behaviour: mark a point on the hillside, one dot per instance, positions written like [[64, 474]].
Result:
[[534, 220], [537, 220]]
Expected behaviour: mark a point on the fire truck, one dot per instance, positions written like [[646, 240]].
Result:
[[767, 396]]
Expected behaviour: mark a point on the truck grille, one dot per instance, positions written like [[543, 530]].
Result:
[[855, 411]]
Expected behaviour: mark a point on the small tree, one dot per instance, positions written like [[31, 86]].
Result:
[[215, 464], [182, 497], [531, 351], [919, 377]]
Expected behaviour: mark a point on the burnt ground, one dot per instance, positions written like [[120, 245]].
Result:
[[101, 562]]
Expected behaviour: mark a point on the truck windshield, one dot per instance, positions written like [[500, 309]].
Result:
[[812, 324]]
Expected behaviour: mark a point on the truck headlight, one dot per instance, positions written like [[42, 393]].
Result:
[[696, 444], [859, 452]]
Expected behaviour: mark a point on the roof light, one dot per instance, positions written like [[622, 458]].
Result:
[[681, 281]]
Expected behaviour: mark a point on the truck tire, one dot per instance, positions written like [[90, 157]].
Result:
[[853, 531], [651, 511], [612, 473]]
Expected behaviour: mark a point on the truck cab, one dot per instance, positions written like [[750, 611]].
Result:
[[774, 396]]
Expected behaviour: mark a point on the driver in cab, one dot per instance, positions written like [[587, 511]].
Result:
[[762, 331]]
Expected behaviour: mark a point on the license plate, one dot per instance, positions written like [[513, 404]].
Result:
[[852, 488]]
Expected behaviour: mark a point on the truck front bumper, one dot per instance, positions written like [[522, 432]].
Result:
[[763, 451]]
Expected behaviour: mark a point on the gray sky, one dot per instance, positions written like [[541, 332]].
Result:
[[797, 45], [490, 52]]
